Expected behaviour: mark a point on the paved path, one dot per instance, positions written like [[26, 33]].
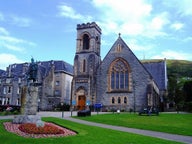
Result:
[[67, 116], [166, 136]]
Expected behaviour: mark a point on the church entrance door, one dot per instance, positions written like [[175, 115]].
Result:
[[81, 102]]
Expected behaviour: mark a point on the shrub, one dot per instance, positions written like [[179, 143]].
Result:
[[6, 113], [64, 107], [16, 112], [188, 106]]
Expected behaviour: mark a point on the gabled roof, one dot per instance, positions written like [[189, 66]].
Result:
[[133, 57], [158, 71], [121, 41]]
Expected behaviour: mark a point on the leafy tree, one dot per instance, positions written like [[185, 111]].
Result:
[[187, 93], [179, 88], [172, 79]]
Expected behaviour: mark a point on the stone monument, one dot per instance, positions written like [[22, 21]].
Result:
[[29, 97]]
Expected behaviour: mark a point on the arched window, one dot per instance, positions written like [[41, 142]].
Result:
[[119, 75], [113, 100], [125, 100], [84, 65], [85, 42], [119, 100]]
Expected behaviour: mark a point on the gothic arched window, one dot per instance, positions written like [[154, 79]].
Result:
[[125, 100], [119, 75], [85, 42], [119, 100], [113, 100], [84, 65]]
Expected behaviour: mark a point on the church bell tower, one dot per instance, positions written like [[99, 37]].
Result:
[[86, 61]]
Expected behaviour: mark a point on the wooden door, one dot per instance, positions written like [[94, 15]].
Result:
[[81, 102]]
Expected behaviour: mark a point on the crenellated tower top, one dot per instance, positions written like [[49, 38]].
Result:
[[88, 25], [88, 38]]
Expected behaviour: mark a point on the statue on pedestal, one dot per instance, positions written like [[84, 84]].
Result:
[[29, 97]]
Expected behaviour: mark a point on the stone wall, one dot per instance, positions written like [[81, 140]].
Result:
[[31, 101], [140, 78]]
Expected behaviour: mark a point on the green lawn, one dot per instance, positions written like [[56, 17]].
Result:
[[86, 135], [170, 123]]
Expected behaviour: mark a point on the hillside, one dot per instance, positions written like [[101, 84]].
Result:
[[179, 68]]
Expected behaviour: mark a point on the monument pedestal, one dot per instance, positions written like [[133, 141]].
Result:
[[26, 119], [31, 101], [29, 106]]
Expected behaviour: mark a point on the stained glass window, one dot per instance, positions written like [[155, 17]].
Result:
[[122, 80], [117, 80], [112, 80], [119, 75], [126, 80]]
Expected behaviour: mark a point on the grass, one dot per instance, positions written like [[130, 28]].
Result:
[[169, 123], [86, 135]]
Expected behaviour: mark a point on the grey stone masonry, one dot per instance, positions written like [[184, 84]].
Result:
[[120, 81], [29, 106], [31, 101], [26, 119], [86, 61], [139, 78]]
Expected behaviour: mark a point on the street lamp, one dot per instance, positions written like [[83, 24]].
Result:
[[62, 110], [134, 96]]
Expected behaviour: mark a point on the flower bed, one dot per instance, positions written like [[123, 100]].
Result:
[[46, 129], [30, 130]]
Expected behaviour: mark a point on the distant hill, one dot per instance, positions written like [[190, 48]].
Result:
[[179, 68]]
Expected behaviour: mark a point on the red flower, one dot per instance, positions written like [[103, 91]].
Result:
[[31, 128], [23, 132]]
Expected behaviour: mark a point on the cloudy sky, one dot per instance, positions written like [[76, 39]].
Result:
[[46, 29]]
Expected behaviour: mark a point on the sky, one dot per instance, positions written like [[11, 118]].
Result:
[[46, 29]]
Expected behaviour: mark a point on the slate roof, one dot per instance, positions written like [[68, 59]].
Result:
[[60, 66], [1, 72], [158, 71], [63, 66], [17, 70]]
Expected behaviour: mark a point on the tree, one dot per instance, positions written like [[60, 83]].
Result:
[[187, 93]]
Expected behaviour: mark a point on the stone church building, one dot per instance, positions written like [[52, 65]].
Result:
[[119, 81]]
